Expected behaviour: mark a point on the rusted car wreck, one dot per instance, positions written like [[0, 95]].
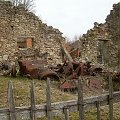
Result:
[[36, 69]]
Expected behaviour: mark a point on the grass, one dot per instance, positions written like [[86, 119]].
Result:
[[91, 114], [22, 97], [22, 92]]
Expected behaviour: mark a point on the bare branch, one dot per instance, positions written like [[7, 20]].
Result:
[[28, 4]]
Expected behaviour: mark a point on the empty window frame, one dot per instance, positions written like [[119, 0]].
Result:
[[25, 42]]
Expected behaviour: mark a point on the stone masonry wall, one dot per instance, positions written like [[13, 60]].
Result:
[[103, 40], [110, 50], [16, 23], [90, 43], [113, 21]]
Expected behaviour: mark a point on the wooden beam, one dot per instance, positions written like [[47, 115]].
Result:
[[66, 53], [48, 100], [32, 100], [11, 102], [80, 99], [98, 110], [110, 98], [66, 113]]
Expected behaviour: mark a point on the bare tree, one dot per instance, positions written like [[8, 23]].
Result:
[[28, 4]]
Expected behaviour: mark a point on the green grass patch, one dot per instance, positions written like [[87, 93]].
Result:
[[22, 91]]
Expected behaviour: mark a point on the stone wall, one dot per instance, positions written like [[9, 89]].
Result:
[[113, 21], [16, 23], [101, 44], [90, 42]]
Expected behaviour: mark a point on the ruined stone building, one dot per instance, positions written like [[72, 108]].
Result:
[[94, 44], [101, 44], [113, 22], [23, 35]]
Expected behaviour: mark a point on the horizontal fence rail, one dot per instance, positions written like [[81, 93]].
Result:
[[23, 113]]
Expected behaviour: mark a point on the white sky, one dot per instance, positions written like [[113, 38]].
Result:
[[73, 17]]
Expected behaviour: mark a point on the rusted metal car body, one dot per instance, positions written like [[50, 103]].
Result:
[[36, 69]]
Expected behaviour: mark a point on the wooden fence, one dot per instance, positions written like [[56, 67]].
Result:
[[59, 108]]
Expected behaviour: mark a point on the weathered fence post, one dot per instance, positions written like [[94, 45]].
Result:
[[11, 101], [66, 113], [32, 98], [80, 99], [98, 110], [48, 100], [110, 97]]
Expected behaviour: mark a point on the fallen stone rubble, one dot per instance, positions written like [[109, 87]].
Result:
[[7, 68]]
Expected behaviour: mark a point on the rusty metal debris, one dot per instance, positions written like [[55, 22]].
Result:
[[72, 70], [69, 71], [49, 73], [70, 85], [75, 69], [36, 69], [95, 84]]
